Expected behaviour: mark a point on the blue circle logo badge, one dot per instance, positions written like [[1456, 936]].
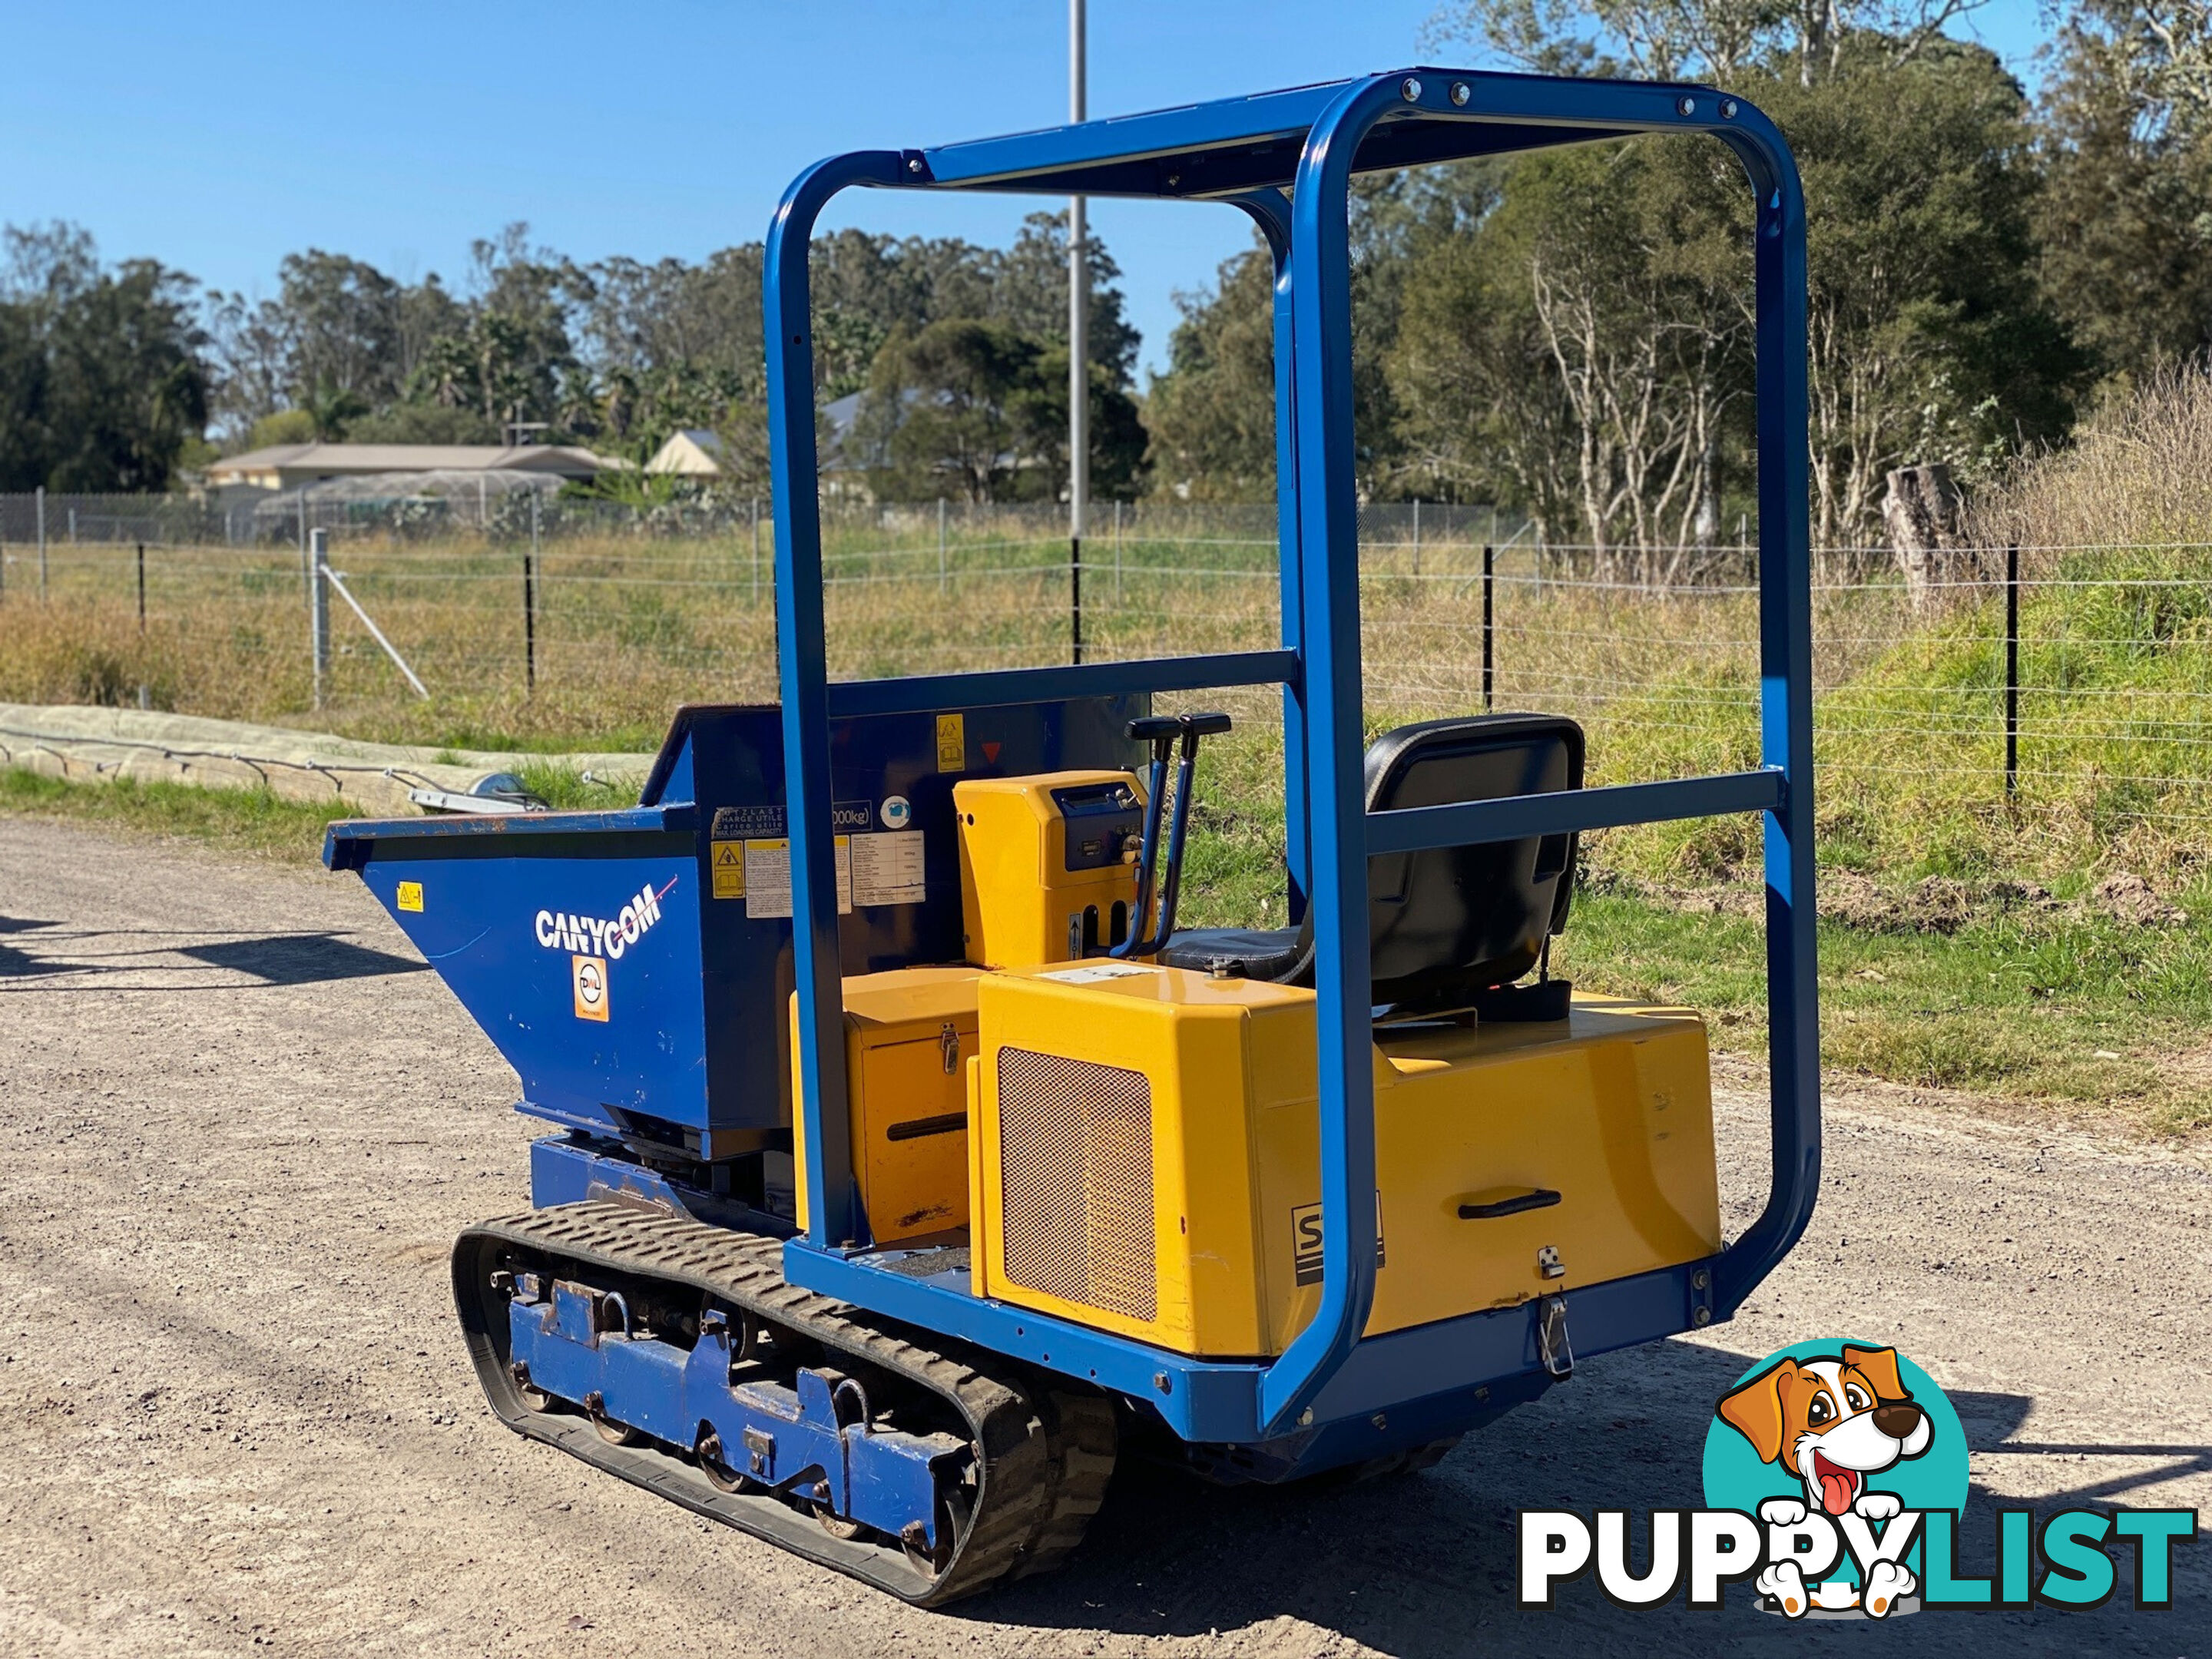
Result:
[[896, 812], [1832, 1445]]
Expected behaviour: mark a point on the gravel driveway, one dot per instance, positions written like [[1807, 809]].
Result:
[[242, 1123]]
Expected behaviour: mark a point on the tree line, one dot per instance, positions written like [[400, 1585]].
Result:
[[120, 379], [1565, 333]]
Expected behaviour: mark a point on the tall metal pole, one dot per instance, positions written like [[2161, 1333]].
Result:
[[1078, 348]]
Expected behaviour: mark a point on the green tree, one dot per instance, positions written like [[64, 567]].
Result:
[[1804, 40], [950, 410], [1930, 338], [106, 382], [341, 320], [1211, 413], [2125, 213], [1575, 343]]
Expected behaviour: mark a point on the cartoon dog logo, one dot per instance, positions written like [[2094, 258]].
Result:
[[1832, 1423]]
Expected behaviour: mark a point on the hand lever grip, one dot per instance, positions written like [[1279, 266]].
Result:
[[1153, 727], [1202, 725], [1536, 1198]]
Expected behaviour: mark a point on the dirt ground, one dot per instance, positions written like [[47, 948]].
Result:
[[240, 1125]]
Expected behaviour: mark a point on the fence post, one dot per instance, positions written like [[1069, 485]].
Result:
[[42, 543], [530, 625], [756, 550], [306, 559], [142, 588], [319, 608], [940, 543], [1075, 600], [2012, 671], [1417, 535], [1489, 618]]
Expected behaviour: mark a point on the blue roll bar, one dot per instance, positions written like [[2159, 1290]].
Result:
[[1246, 153]]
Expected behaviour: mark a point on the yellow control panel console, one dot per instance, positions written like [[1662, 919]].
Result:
[[909, 1035], [1145, 1157], [1048, 865]]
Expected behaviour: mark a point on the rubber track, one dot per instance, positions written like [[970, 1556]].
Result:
[[1044, 1455]]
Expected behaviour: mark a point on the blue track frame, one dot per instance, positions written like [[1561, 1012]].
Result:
[[1247, 153]]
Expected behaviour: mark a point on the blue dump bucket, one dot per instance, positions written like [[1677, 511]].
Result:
[[634, 967]]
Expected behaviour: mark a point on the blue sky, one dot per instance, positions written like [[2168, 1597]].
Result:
[[218, 138]]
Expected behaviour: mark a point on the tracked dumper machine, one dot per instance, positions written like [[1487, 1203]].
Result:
[[912, 1162]]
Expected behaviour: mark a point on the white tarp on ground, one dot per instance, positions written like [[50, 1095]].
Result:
[[100, 744]]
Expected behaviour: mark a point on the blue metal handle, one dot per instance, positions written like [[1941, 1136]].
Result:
[[1339, 845], [818, 1060]]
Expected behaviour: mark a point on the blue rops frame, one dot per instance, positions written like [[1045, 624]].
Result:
[[1248, 152]]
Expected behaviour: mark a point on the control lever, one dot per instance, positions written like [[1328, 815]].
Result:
[[1160, 731], [1166, 733]]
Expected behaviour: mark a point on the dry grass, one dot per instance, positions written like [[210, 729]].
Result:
[[2139, 474], [2116, 761]]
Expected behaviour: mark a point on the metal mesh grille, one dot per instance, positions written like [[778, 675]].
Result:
[[1075, 1155]]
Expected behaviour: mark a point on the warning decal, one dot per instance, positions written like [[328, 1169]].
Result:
[[410, 896], [745, 823], [1093, 973], [590, 976], [887, 869], [728, 864], [952, 743], [767, 876]]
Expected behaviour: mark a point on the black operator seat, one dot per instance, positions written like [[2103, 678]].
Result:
[[1448, 927]]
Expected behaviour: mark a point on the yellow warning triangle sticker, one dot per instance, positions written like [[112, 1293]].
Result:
[[726, 855]]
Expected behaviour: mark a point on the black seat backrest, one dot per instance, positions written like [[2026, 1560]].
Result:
[[1453, 921]]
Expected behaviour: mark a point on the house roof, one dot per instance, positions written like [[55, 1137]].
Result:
[[468, 485], [564, 459], [691, 450]]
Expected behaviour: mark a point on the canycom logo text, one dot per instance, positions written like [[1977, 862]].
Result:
[[601, 936]]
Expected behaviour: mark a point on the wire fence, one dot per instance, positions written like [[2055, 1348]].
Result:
[[2074, 679]]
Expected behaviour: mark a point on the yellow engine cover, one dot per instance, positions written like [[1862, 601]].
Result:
[[909, 1035], [1037, 885], [1146, 1155]]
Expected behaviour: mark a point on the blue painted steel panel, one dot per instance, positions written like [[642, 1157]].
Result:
[[502, 908], [783, 1436], [1239, 144], [1412, 828], [991, 688], [571, 1170], [1221, 1400], [515, 923], [1271, 212]]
